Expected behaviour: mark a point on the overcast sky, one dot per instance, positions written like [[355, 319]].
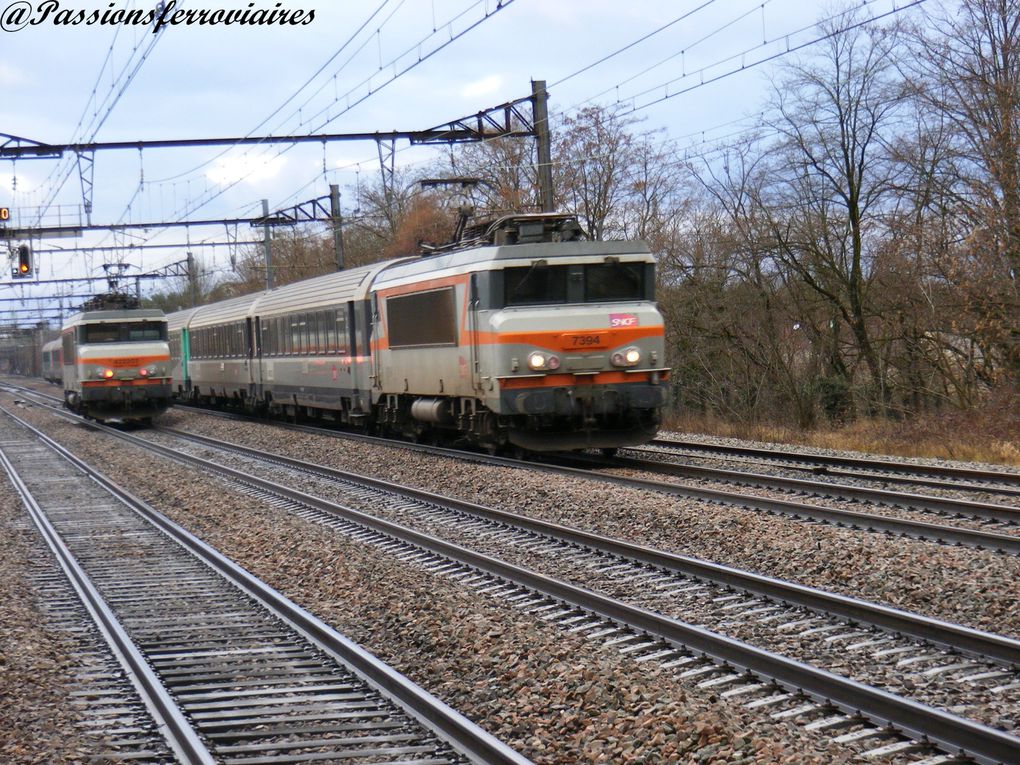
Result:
[[64, 83]]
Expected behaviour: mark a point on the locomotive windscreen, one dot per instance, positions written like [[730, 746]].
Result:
[[131, 332], [535, 284], [606, 282]]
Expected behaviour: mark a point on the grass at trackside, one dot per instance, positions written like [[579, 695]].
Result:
[[988, 433]]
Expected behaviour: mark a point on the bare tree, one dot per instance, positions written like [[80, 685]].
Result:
[[594, 160], [831, 174], [966, 70]]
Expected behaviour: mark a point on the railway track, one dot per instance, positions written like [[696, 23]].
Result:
[[1002, 516], [231, 671], [999, 522], [593, 469], [869, 469], [739, 670]]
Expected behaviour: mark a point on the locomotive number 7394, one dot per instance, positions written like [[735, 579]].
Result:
[[584, 341]]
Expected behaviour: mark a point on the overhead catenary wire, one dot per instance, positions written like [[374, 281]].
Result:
[[213, 193], [180, 215]]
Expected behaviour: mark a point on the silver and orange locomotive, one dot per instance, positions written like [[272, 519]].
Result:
[[116, 362], [522, 336]]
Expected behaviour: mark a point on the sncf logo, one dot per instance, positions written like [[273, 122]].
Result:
[[623, 320]]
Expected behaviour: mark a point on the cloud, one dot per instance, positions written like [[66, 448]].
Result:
[[10, 76], [251, 170], [483, 87]]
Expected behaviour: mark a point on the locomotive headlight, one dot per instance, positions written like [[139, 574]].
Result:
[[106, 373], [628, 357], [541, 362]]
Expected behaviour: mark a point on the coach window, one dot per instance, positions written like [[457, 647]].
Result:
[[338, 318], [266, 337], [293, 334], [306, 333], [343, 329], [322, 328], [301, 342], [327, 338], [424, 318], [300, 334], [314, 337], [312, 332], [327, 332]]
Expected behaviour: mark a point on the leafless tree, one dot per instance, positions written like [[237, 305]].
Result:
[[831, 175], [966, 71]]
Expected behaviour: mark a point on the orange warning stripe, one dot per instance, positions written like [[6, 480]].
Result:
[[569, 379], [114, 383], [122, 362]]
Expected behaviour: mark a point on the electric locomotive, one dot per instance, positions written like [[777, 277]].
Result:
[[522, 335], [116, 361]]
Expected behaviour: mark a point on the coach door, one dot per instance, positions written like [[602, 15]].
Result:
[[472, 317], [252, 332]]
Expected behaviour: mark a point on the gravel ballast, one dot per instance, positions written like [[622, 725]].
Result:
[[37, 721], [556, 697], [972, 587]]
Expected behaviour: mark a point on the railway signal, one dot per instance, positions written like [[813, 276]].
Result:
[[24, 267]]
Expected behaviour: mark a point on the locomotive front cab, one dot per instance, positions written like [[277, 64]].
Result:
[[577, 352], [119, 364]]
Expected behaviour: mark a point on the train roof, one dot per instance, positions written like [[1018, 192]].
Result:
[[52, 345], [505, 243], [134, 314], [309, 294], [487, 258], [323, 291], [231, 309], [179, 319]]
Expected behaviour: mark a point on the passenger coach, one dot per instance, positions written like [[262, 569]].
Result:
[[525, 336]]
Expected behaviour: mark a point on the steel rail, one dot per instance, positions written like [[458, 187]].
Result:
[[987, 745], [906, 500], [861, 463], [880, 523], [964, 639], [448, 724], [848, 518], [177, 731]]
